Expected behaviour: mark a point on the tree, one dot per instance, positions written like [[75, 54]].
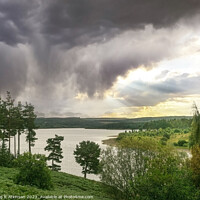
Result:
[[54, 146], [29, 121], [87, 154], [3, 116], [19, 123], [9, 105]]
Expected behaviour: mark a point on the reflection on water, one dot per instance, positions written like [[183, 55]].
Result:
[[72, 137]]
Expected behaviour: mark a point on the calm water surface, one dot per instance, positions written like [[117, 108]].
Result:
[[72, 137]]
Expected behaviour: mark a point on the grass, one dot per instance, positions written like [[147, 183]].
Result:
[[65, 186]]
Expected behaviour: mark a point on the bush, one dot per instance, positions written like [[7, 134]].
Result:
[[6, 158], [166, 136], [33, 171], [177, 131], [182, 142], [175, 144]]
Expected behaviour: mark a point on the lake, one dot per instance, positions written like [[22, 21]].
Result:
[[72, 137]]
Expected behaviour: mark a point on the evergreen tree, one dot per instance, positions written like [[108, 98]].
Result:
[[9, 105], [29, 122], [54, 146], [87, 155], [3, 116]]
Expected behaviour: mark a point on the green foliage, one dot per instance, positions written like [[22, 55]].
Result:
[[6, 158], [165, 133], [87, 155], [195, 164], [121, 165], [195, 133], [195, 145], [166, 178], [29, 120], [33, 171], [14, 119], [182, 143], [54, 146], [142, 169]]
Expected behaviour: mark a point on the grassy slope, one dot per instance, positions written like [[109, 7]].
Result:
[[64, 184]]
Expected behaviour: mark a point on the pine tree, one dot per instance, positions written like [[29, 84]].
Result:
[[87, 155], [55, 156], [9, 105], [29, 121], [3, 116], [19, 123]]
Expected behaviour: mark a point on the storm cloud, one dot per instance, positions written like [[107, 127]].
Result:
[[75, 46]]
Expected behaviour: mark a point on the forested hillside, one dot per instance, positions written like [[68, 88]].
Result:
[[116, 123]]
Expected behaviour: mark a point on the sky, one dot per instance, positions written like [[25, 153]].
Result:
[[101, 58]]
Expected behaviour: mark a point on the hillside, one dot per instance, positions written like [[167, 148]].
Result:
[[103, 123], [65, 185]]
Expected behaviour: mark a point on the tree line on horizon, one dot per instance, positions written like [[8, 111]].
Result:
[[131, 124]]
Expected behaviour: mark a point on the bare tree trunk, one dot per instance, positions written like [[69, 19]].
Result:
[[15, 147], [18, 143], [9, 141], [85, 174], [29, 142]]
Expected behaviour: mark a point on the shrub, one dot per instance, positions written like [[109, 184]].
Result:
[[182, 142], [166, 136], [33, 171], [176, 131], [6, 158]]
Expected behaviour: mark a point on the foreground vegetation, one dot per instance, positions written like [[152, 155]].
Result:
[[145, 164], [63, 185], [143, 169]]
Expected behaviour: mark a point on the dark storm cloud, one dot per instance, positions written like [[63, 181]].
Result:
[[149, 94], [58, 34], [15, 21], [75, 22], [13, 70]]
